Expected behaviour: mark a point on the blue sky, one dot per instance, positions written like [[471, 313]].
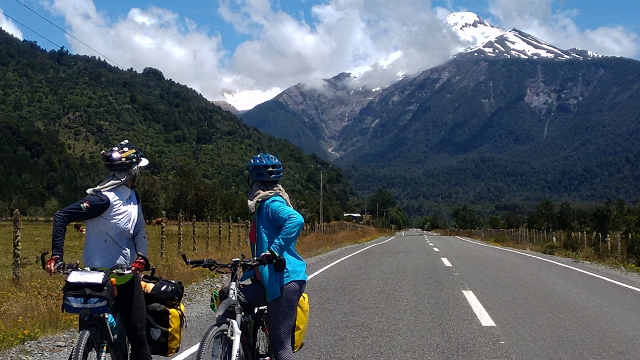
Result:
[[247, 51]]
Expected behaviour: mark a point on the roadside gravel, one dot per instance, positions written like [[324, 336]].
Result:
[[58, 347]]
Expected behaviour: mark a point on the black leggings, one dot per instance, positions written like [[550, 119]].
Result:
[[131, 307], [281, 313]]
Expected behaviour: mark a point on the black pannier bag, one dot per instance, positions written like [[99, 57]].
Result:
[[163, 291], [165, 314]]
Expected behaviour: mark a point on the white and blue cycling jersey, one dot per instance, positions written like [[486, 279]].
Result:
[[115, 227]]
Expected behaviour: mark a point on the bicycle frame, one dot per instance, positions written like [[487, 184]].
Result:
[[232, 302], [231, 312]]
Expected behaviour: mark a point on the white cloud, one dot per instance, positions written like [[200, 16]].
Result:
[[284, 50], [247, 99], [281, 52], [345, 35], [8, 26], [559, 28]]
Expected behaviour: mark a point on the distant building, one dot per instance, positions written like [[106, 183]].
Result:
[[352, 217]]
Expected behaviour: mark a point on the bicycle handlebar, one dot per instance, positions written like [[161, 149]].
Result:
[[212, 264], [63, 268]]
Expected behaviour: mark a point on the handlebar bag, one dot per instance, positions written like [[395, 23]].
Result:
[[163, 291], [88, 293]]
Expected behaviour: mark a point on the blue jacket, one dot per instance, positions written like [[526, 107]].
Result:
[[277, 229]]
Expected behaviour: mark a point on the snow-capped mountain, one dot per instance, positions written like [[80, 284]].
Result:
[[315, 119], [488, 40]]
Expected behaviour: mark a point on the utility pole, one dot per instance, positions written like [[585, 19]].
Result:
[[321, 215]]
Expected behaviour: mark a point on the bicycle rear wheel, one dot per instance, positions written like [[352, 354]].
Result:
[[216, 345], [86, 347]]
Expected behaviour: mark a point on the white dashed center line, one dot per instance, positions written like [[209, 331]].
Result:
[[481, 313]]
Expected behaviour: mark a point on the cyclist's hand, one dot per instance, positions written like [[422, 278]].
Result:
[[54, 263], [279, 263], [141, 264], [267, 258]]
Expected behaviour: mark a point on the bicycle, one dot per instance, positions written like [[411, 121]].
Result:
[[227, 338], [99, 334]]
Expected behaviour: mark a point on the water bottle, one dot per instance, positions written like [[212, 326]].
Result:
[[215, 300], [112, 325]]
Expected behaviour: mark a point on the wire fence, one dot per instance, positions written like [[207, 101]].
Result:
[[181, 234]]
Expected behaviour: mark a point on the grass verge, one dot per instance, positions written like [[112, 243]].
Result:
[[588, 254]]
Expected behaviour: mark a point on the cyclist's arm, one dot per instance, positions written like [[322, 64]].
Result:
[[291, 222], [140, 233], [88, 208]]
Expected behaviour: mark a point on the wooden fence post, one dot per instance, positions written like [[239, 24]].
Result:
[[206, 244], [220, 232], [180, 233], [229, 225], [579, 235], [17, 228], [239, 240], [163, 234], [195, 240], [600, 241]]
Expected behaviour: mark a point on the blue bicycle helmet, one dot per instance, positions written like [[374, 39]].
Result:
[[123, 157], [265, 167]]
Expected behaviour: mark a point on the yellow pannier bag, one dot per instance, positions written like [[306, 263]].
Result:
[[165, 326], [302, 318]]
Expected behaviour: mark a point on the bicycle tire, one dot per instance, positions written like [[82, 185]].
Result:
[[85, 348], [215, 344]]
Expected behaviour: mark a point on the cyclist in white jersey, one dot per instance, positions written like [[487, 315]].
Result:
[[115, 235]]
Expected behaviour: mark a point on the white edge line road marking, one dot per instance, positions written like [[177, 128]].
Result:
[[446, 262], [193, 349], [189, 351], [481, 313], [557, 263], [346, 257]]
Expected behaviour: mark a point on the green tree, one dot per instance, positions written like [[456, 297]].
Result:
[[466, 218], [512, 220], [495, 222], [380, 201], [432, 222], [544, 216]]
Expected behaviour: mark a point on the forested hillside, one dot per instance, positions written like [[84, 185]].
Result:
[[58, 111], [502, 134]]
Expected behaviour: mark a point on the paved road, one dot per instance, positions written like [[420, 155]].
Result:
[[419, 296]]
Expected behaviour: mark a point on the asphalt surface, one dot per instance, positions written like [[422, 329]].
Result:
[[421, 296]]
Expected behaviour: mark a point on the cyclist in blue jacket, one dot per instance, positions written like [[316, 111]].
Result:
[[115, 235], [274, 232]]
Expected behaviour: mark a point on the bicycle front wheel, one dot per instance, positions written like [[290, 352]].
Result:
[[216, 345], [86, 347]]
